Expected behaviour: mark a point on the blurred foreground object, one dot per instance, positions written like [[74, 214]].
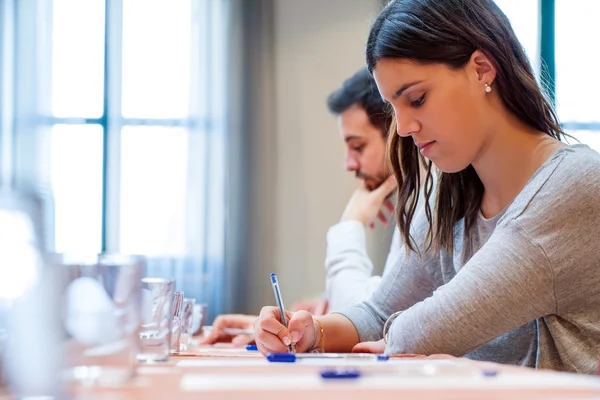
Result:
[[29, 313]]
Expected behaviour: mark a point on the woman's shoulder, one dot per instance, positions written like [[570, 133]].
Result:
[[568, 181], [572, 168]]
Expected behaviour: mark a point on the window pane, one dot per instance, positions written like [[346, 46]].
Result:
[[591, 138], [524, 18], [156, 58], [76, 177], [153, 190], [77, 58], [577, 60]]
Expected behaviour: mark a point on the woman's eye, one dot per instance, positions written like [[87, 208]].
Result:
[[418, 102]]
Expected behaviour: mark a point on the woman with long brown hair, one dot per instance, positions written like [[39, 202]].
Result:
[[504, 264]]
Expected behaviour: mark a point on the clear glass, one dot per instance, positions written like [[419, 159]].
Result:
[[156, 58], [187, 322], [524, 18], [76, 178], [77, 58], [176, 323], [577, 62], [199, 319], [154, 171], [101, 317], [155, 332]]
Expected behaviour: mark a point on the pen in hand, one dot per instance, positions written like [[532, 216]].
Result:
[[279, 301]]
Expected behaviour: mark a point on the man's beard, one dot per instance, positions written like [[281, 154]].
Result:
[[372, 182]]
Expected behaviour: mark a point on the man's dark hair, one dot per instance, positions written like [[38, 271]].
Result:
[[360, 89]]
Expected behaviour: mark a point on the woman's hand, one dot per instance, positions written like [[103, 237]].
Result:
[[272, 337], [370, 347]]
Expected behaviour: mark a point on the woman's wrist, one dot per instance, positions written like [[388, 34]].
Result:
[[318, 342], [388, 324]]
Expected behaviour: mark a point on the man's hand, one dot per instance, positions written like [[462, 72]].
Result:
[[365, 205], [238, 321]]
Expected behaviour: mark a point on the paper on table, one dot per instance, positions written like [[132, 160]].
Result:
[[210, 351], [230, 331], [378, 381], [319, 362]]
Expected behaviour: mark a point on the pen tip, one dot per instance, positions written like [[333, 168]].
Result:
[[273, 278]]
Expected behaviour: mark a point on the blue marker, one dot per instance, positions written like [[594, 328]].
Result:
[[335, 374], [290, 357], [489, 373], [279, 301], [252, 347]]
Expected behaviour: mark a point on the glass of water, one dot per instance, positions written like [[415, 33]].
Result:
[[101, 317], [199, 318], [155, 333], [187, 324]]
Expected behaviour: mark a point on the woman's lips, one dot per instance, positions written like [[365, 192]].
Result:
[[423, 146]]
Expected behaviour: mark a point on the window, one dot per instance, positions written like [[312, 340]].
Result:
[[76, 178], [117, 111], [525, 20], [573, 61], [153, 189], [156, 108], [120, 123], [578, 104], [75, 130]]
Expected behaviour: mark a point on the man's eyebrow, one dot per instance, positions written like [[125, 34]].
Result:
[[403, 88], [351, 137]]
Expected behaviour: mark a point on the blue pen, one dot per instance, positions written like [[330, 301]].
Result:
[[290, 358], [279, 301], [252, 347], [337, 374]]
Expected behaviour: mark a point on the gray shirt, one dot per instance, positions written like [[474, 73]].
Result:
[[521, 288]]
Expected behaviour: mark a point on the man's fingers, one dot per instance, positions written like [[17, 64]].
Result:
[[389, 205], [215, 333], [381, 216], [239, 321], [387, 187], [241, 340]]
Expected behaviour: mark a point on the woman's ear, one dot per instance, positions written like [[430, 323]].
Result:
[[483, 67]]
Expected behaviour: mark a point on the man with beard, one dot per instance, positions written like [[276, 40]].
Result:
[[364, 123]]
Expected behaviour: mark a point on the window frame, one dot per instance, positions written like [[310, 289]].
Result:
[[112, 122], [548, 61]]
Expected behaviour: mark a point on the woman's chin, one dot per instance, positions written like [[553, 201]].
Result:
[[447, 166]]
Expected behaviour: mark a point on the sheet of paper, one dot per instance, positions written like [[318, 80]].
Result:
[[382, 381], [221, 352], [318, 362]]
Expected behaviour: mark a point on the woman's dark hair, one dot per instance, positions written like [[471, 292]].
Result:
[[448, 32], [361, 89]]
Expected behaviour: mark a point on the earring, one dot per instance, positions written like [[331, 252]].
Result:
[[488, 88]]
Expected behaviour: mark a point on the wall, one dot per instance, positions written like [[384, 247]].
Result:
[[300, 188]]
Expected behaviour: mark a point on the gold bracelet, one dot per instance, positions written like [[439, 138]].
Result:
[[314, 340], [388, 324], [321, 347]]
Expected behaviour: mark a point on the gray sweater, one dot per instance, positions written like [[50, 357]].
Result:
[[521, 288]]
